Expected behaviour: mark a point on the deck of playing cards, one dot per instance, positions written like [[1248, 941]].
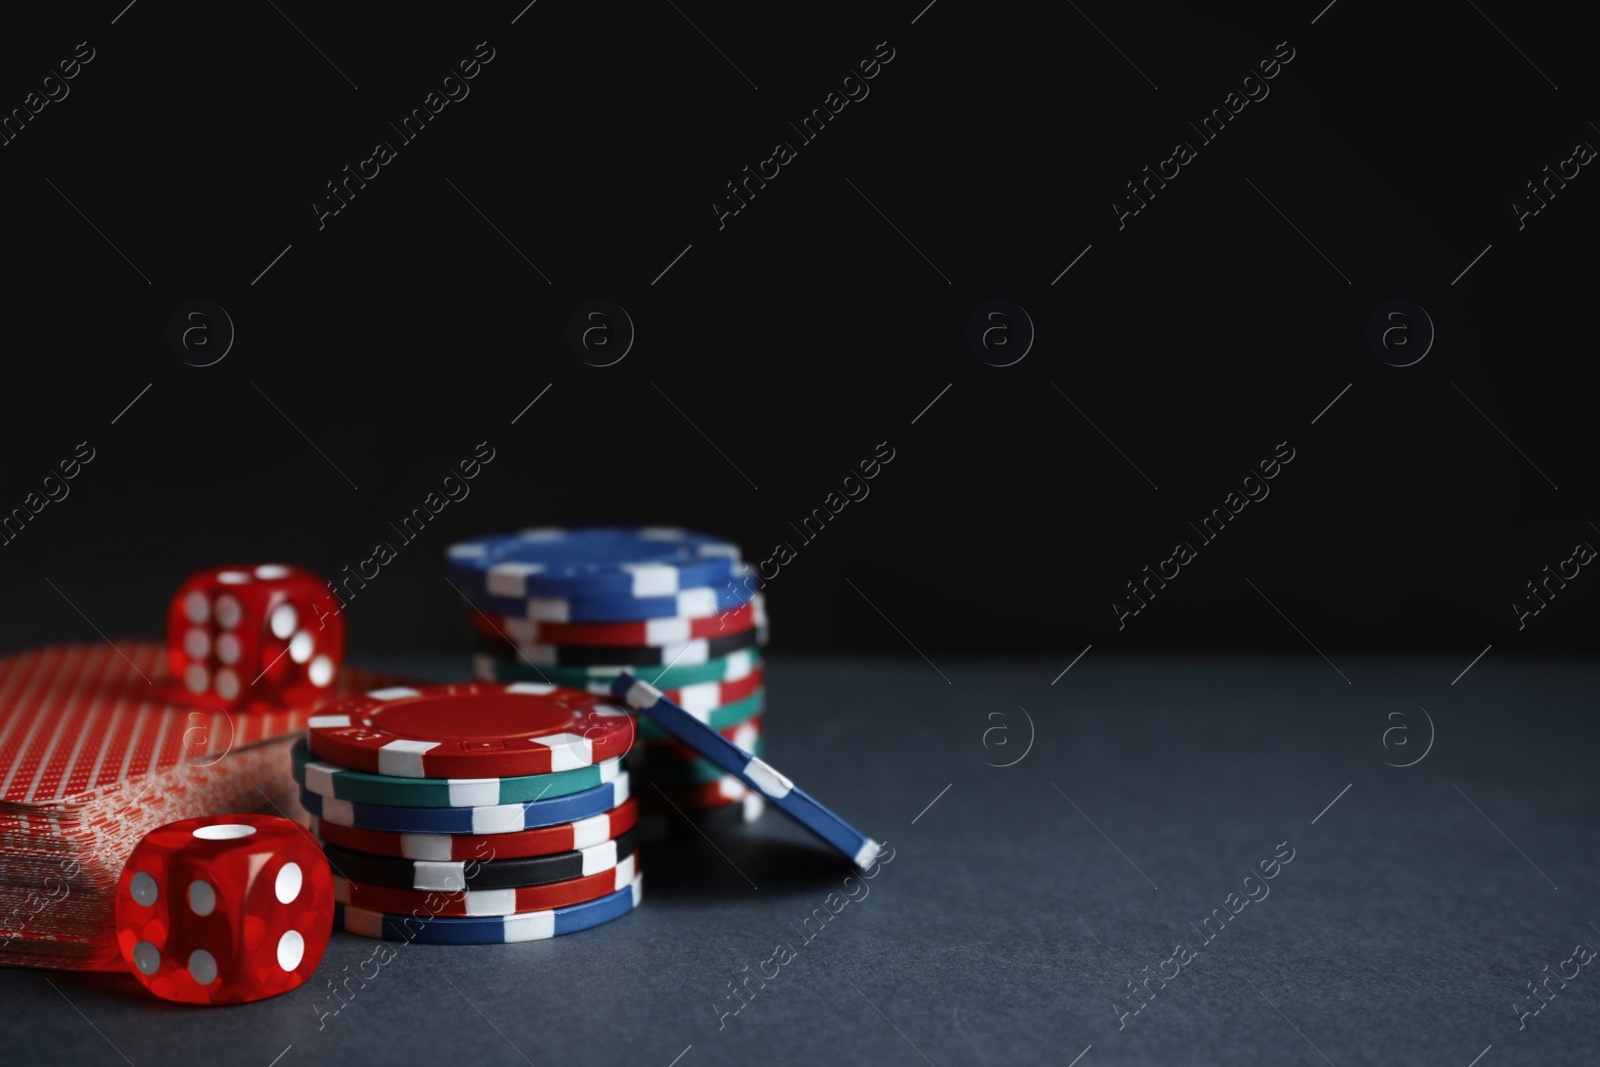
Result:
[[97, 748]]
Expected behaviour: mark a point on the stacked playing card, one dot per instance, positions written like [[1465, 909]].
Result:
[[97, 748]]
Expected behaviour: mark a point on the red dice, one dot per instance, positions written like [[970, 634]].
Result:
[[224, 909], [261, 633]]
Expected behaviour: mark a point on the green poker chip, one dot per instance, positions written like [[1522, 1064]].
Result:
[[338, 783], [487, 668]]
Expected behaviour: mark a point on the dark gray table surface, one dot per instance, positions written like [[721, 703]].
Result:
[[1021, 903]]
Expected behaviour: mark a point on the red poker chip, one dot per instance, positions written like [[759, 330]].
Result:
[[482, 902], [642, 633], [520, 844], [472, 730]]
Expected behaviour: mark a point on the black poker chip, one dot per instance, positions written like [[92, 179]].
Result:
[[455, 875]]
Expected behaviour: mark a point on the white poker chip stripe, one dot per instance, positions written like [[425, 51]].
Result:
[[740, 664], [403, 758], [698, 603], [652, 579], [567, 751], [510, 579], [533, 926], [667, 631], [472, 792], [625, 872], [319, 778], [701, 698], [765, 777], [640, 695], [594, 830], [599, 856]]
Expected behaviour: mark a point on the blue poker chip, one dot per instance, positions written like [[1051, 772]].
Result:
[[754, 772], [489, 930], [495, 819], [602, 563], [700, 602]]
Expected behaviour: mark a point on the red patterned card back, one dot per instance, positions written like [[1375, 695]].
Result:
[[76, 720]]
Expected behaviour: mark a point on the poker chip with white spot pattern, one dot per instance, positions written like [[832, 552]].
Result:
[[471, 730], [600, 562], [492, 819], [528, 926]]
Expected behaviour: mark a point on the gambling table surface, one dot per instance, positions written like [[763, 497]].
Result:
[[1140, 860]]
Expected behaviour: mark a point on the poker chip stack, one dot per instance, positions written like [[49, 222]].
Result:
[[476, 813], [577, 607]]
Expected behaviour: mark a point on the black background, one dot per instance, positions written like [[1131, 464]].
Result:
[[808, 330]]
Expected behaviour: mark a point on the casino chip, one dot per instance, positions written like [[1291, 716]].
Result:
[[495, 819], [528, 926], [705, 697], [645, 632], [474, 730], [541, 841], [718, 716], [696, 698], [481, 902], [789, 798], [597, 562], [339, 783], [453, 876], [489, 667], [689, 653], [697, 603]]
